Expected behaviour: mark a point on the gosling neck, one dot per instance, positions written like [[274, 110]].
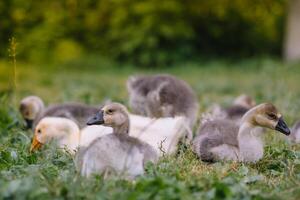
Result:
[[123, 128], [250, 144]]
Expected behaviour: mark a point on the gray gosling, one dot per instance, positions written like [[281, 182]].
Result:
[[162, 96], [240, 106], [118, 152], [234, 112], [32, 109], [223, 139]]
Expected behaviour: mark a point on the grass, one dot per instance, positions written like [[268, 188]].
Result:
[[50, 173]]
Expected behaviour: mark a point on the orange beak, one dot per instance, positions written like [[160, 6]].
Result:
[[35, 144]]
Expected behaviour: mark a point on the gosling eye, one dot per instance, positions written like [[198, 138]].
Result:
[[109, 111], [39, 131], [272, 116]]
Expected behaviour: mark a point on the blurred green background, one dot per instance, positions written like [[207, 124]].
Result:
[[147, 33]]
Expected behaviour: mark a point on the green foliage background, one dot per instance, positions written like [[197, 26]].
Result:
[[148, 32]]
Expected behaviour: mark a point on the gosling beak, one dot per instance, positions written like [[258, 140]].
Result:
[[35, 144], [282, 127], [97, 119], [29, 123]]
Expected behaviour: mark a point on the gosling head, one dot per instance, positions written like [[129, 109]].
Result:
[[245, 101], [51, 128], [114, 115], [266, 115], [30, 108]]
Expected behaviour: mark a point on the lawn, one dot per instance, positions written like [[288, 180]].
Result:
[[50, 173]]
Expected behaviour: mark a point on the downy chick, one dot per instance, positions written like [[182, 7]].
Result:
[[235, 112], [117, 152], [33, 110], [162, 96], [226, 140]]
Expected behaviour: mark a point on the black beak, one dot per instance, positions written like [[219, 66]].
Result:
[[29, 123], [97, 119], [282, 127]]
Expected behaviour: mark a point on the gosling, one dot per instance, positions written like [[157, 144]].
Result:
[[235, 112], [117, 152], [225, 140], [32, 109], [162, 96]]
